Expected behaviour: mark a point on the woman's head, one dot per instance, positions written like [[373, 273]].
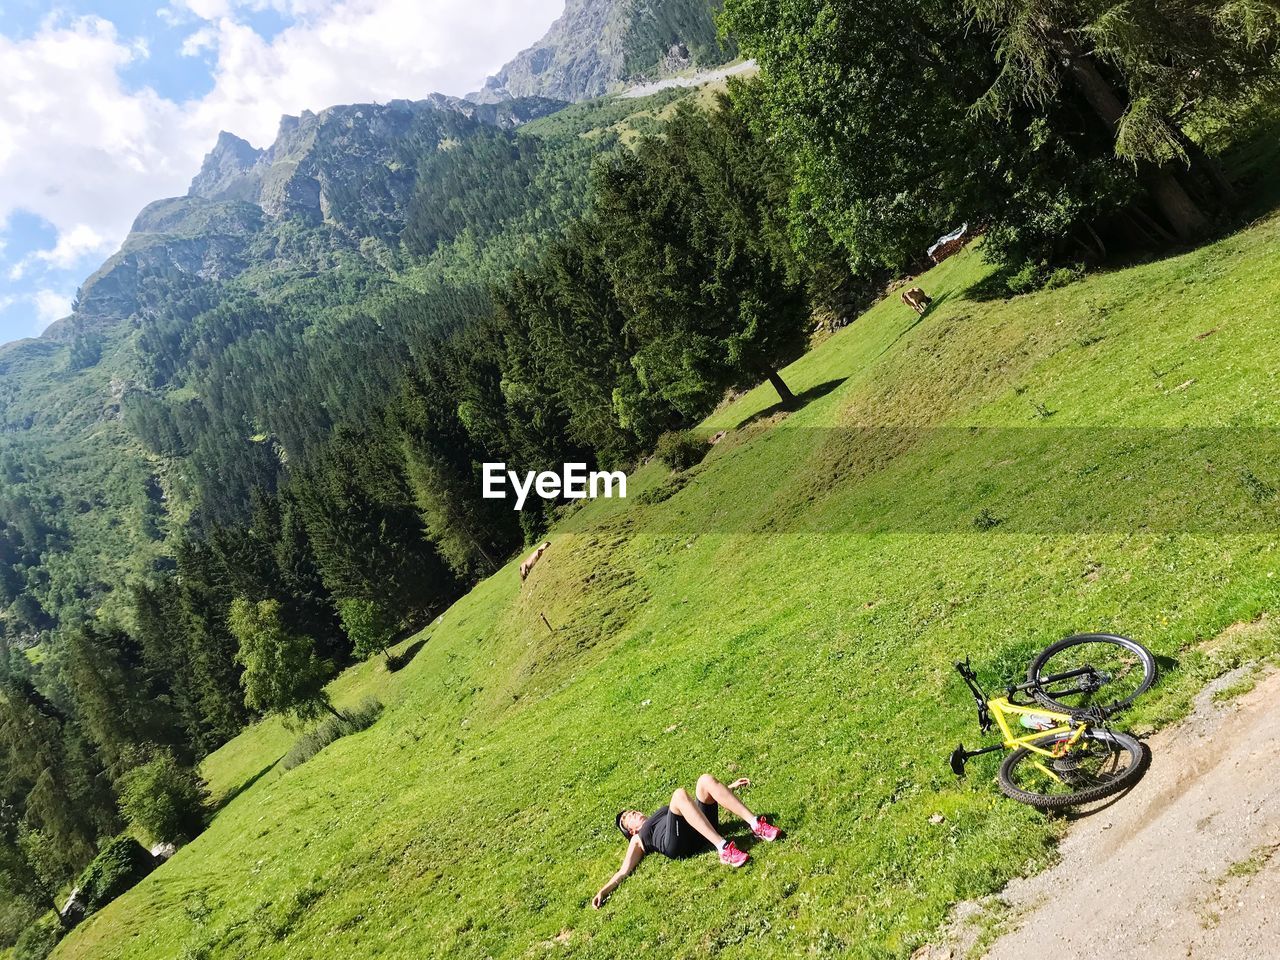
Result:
[[629, 822]]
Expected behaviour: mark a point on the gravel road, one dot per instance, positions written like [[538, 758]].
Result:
[[1185, 865], [692, 80]]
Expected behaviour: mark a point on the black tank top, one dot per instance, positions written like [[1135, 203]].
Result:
[[657, 822]]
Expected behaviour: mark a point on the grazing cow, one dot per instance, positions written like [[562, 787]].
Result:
[[917, 300], [533, 558]]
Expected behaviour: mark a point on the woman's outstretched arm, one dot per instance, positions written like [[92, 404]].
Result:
[[633, 856]]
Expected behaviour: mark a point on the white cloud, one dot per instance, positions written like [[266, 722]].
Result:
[[207, 9], [85, 152], [203, 39], [73, 244], [76, 148], [50, 306], [360, 50]]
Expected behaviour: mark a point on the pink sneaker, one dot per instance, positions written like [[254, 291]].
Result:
[[765, 831], [731, 856]]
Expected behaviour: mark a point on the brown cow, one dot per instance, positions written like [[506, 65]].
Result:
[[917, 300], [533, 558]]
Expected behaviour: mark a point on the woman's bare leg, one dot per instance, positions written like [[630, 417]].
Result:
[[682, 804], [709, 788]]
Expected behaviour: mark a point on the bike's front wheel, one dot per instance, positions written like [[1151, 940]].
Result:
[[1092, 670], [1099, 764]]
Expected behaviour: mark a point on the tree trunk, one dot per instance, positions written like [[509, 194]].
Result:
[[1147, 224], [1210, 165], [1168, 194], [1101, 247], [475, 541], [784, 392], [1176, 204], [1096, 88], [333, 710]]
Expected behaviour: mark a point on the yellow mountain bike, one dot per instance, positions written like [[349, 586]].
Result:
[[1068, 756]]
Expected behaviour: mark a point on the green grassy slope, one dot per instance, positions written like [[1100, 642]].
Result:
[[789, 614]]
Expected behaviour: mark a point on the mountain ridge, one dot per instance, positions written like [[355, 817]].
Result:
[[589, 50], [324, 168], [597, 44]]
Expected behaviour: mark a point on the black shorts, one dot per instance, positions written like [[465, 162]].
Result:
[[674, 837]]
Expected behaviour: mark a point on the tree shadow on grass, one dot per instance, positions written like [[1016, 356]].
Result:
[[934, 304], [992, 287], [398, 661], [225, 801], [802, 400]]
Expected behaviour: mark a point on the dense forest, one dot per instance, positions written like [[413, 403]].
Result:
[[284, 472]]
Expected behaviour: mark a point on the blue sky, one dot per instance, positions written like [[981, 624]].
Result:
[[108, 106]]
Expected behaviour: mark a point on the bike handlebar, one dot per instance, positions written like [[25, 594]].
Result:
[[970, 679]]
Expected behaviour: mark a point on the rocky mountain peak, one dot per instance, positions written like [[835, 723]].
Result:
[[350, 167], [597, 45], [224, 167]]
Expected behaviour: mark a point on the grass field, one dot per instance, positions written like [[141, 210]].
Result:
[[789, 612]]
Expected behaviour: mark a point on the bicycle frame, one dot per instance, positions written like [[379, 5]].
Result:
[[1002, 708], [999, 709]]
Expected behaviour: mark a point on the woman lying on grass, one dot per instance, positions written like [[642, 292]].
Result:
[[684, 827]]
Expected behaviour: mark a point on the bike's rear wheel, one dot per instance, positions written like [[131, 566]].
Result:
[[1090, 671], [1099, 764]]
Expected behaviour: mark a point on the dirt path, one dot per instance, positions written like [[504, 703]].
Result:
[[1184, 866]]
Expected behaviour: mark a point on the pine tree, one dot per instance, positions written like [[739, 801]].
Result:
[[120, 703], [695, 236]]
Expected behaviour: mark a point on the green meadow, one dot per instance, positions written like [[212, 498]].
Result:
[[981, 481]]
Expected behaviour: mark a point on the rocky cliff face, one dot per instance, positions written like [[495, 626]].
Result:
[[348, 171], [193, 236], [318, 160], [226, 170], [598, 44]]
